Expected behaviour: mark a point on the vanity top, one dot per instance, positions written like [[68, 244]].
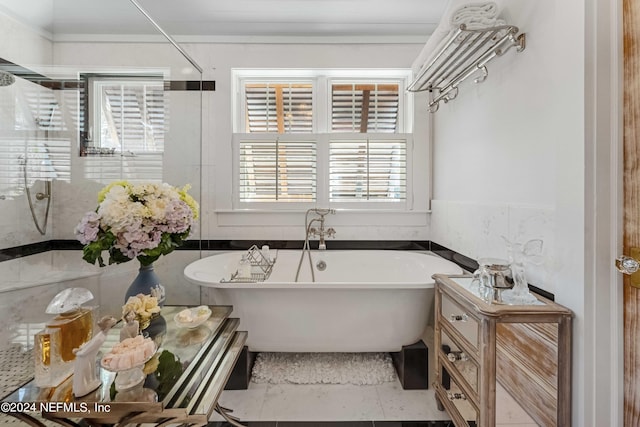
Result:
[[461, 288]]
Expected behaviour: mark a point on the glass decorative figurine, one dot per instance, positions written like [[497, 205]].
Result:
[[519, 254]]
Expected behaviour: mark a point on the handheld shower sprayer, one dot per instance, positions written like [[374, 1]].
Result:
[[6, 78]]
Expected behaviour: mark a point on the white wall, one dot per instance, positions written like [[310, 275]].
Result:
[[510, 159], [217, 61], [503, 148]]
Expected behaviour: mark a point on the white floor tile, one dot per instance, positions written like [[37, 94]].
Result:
[[246, 404], [330, 402], [408, 405]]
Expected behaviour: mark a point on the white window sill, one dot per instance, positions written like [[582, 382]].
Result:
[[347, 217]]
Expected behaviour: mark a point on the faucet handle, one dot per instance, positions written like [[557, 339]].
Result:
[[331, 232], [312, 231]]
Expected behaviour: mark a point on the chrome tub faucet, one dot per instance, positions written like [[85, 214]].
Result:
[[320, 231], [311, 231]]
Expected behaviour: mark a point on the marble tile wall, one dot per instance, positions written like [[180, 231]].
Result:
[[475, 230]]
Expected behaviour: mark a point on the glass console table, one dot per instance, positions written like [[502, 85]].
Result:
[[184, 379]]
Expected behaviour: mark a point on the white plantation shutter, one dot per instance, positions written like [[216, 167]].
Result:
[[362, 108], [359, 154], [132, 116], [143, 167], [39, 145], [48, 147], [278, 107], [368, 170], [44, 108], [277, 170]]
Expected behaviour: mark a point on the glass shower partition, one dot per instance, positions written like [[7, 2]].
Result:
[[81, 107]]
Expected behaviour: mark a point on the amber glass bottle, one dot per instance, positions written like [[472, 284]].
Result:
[[76, 328]]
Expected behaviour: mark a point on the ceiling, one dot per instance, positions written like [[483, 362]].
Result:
[[193, 20]]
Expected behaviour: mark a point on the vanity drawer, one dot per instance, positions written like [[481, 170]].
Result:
[[459, 319], [465, 410], [463, 363]]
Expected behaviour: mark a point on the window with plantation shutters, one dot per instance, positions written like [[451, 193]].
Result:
[[277, 170], [279, 107], [132, 115], [364, 107], [368, 170], [129, 122], [321, 136]]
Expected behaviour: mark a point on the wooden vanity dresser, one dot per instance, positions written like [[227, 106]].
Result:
[[524, 349]]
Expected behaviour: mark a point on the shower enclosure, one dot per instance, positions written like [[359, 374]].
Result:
[[78, 111]]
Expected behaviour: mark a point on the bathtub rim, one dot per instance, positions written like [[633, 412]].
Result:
[[427, 283]]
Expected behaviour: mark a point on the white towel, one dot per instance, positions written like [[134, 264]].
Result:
[[474, 12], [473, 15]]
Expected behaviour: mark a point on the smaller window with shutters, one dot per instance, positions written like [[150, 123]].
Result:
[[128, 122], [279, 107], [353, 153], [365, 107]]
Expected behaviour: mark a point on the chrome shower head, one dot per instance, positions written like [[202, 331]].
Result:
[[6, 78]]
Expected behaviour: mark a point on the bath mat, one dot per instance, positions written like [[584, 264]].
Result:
[[323, 368]]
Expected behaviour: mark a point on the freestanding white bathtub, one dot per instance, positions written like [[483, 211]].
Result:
[[364, 301]]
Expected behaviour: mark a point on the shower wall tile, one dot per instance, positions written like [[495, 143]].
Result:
[[17, 227], [10, 270], [71, 200], [114, 279], [9, 237], [108, 284], [22, 312], [35, 267]]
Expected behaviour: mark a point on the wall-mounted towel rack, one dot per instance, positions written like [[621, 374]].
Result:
[[463, 54]]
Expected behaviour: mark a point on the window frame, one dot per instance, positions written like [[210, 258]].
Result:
[[390, 204], [104, 164], [274, 205], [401, 123], [322, 80], [94, 106]]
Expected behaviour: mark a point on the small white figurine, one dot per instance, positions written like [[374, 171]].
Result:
[[519, 254], [131, 328], [85, 378]]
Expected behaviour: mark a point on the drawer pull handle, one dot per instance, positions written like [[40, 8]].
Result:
[[459, 317], [456, 396], [456, 356]]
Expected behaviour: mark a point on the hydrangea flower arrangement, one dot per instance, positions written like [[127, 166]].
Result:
[[142, 221]]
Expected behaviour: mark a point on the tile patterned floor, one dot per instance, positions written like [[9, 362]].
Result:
[[341, 424], [331, 402], [334, 405]]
